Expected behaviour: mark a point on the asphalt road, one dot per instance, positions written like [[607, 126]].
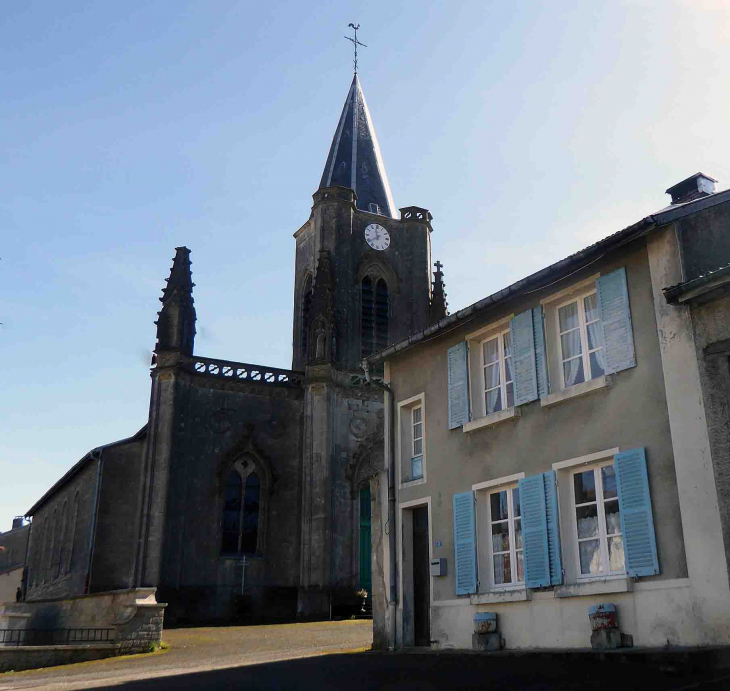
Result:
[[327, 656]]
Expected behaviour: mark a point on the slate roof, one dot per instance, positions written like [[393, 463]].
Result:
[[354, 158]]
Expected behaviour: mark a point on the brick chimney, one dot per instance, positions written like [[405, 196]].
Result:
[[699, 185]]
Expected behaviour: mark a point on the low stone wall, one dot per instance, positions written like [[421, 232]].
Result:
[[134, 615], [34, 657]]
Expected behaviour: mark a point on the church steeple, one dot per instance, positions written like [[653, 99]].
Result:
[[354, 159]]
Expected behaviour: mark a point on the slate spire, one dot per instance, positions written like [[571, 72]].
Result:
[[176, 322], [354, 159]]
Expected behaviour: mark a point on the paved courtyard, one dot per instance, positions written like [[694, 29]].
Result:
[[335, 655]]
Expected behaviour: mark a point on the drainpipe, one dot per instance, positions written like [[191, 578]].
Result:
[[390, 459], [96, 455]]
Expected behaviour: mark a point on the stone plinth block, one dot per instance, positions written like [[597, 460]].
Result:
[[603, 617], [486, 641], [485, 622], [606, 639]]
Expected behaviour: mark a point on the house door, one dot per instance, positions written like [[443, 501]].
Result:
[[366, 578], [421, 577]]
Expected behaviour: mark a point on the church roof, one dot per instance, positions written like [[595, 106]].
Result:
[[354, 159]]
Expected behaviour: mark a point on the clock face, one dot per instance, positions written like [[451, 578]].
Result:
[[377, 237]]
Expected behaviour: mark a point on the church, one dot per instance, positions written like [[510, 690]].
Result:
[[251, 492]]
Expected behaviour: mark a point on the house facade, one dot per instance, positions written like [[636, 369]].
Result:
[[563, 443]]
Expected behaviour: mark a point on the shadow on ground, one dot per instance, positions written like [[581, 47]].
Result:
[[422, 672]]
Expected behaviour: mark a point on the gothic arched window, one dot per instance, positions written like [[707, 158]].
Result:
[[306, 311], [374, 315], [232, 513], [241, 509], [249, 537], [62, 547], [75, 542]]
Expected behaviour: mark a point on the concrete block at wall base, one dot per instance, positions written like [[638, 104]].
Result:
[[486, 642], [606, 639]]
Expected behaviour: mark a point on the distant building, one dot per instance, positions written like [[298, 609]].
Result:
[[565, 443], [13, 545]]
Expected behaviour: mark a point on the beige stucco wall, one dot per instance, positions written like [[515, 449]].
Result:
[[631, 412]]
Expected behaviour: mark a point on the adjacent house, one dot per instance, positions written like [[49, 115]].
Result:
[[563, 443], [13, 546]]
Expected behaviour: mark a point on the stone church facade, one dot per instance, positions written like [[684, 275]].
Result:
[[252, 491]]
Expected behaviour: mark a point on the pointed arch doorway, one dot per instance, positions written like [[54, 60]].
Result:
[[365, 551]]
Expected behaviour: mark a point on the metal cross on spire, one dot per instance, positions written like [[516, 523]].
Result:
[[355, 42]]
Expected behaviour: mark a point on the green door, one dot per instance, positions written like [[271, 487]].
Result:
[[366, 578]]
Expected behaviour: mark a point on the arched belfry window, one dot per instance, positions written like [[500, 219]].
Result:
[[241, 511], [374, 315], [306, 312]]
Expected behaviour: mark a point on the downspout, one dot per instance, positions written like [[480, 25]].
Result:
[[26, 570], [390, 459], [96, 454]]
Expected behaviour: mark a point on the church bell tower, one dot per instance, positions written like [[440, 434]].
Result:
[[362, 276]]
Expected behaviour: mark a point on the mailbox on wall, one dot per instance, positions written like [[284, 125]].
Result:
[[438, 567]]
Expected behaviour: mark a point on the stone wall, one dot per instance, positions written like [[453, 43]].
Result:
[[60, 539], [118, 518]]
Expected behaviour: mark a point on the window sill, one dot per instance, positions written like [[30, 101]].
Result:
[[582, 389], [498, 596], [603, 586], [492, 419], [413, 483]]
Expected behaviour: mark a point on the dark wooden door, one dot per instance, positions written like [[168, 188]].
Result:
[[421, 578]]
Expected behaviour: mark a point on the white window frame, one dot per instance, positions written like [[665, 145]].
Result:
[[415, 422], [513, 543], [583, 329], [499, 337], [602, 533], [404, 440]]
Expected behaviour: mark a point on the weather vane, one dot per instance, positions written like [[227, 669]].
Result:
[[355, 42]]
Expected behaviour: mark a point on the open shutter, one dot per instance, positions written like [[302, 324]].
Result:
[[553, 527], [522, 335], [465, 545], [538, 329], [637, 522], [618, 336], [534, 531], [458, 385]]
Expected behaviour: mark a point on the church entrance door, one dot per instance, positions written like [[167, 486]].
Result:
[[366, 578]]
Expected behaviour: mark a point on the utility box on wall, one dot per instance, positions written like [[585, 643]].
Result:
[[438, 567]]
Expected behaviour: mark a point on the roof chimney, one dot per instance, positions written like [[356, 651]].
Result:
[[699, 185], [18, 522]]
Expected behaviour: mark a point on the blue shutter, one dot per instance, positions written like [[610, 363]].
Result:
[[465, 544], [637, 523], [553, 527], [538, 328], [534, 531], [618, 336], [523, 357], [458, 385]]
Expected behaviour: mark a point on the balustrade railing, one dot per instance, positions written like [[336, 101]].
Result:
[[243, 371], [16, 637]]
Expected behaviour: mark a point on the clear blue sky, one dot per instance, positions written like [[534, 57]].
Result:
[[529, 129]]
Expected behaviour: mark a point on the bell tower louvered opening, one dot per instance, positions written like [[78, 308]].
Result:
[[381, 314], [374, 315]]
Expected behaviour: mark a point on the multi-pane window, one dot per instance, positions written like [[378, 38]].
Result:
[[499, 390], [598, 521], [240, 514], [581, 340], [505, 530], [417, 459]]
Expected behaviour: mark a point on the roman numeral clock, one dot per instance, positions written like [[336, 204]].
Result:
[[377, 237]]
